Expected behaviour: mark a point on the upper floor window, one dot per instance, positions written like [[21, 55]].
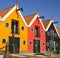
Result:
[[42, 32], [37, 31], [30, 42], [14, 26], [55, 34], [22, 27], [7, 24], [48, 33], [52, 34], [24, 42], [31, 29]]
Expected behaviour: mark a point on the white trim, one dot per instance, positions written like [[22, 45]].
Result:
[[49, 25], [23, 19], [37, 15], [56, 29], [53, 25], [33, 20], [42, 24], [2, 19]]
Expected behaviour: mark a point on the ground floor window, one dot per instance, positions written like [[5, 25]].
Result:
[[3, 40]]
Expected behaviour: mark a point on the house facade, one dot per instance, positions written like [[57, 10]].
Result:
[[11, 31], [51, 35], [28, 33], [36, 34]]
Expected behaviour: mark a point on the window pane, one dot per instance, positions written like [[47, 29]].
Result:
[[14, 26], [30, 43], [37, 33], [22, 27], [24, 42], [3, 41], [7, 24]]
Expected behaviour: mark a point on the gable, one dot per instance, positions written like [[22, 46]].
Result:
[[5, 11], [29, 18], [46, 23]]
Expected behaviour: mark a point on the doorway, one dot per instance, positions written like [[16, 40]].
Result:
[[36, 47], [14, 45]]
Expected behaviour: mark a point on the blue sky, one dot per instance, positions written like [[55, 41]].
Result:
[[46, 8]]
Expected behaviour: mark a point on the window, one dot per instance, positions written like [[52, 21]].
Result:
[[14, 26], [48, 44], [55, 34], [37, 32], [24, 42], [56, 44], [42, 32], [52, 34], [7, 24], [51, 44], [3, 40], [22, 27], [30, 43], [31, 29], [43, 43], [48, 33]]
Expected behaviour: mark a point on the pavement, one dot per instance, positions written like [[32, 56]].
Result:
[[28, 55], [32, 55]]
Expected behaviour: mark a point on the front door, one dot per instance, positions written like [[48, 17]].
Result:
[[36, 47], [14, 44]]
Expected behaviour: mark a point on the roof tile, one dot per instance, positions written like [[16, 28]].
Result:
[[5, 11], [29, 18], [46, 22], [58, 31]]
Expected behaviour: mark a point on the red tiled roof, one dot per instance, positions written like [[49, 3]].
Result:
[[5, 11], [58, 29], [29, 18], [46, 22]]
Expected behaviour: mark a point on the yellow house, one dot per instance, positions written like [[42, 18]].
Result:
[[13, 30]]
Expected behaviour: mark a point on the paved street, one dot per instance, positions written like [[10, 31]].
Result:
[[26, 55], [30, 55]]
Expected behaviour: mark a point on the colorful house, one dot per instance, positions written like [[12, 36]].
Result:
[[13, 30], [28, 33], [36, 33], [51, 35]]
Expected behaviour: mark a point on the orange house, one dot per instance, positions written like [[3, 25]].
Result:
[[12, 24]]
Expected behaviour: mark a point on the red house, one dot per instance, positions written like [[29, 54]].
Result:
[[36, 34]]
